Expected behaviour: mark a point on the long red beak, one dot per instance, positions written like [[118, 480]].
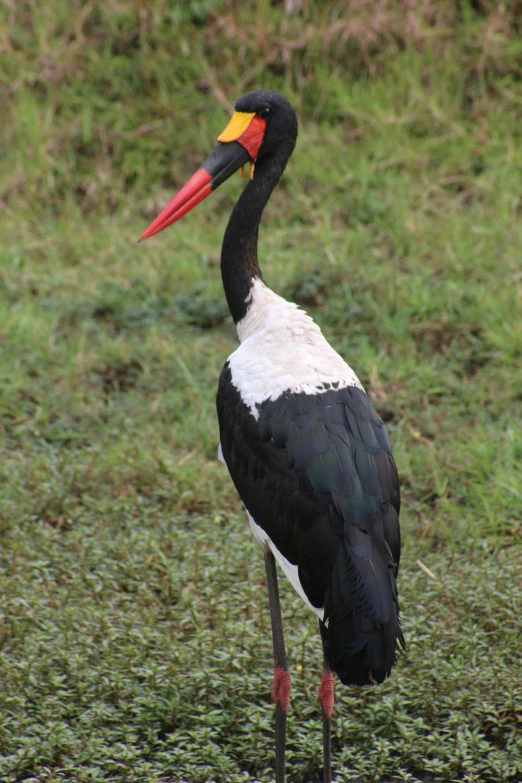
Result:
[[219, 166], [197, 188]]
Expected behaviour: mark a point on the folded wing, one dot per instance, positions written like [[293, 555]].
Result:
[[316, 473]]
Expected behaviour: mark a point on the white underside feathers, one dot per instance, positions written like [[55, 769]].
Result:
[[289, 570], [220, 455]]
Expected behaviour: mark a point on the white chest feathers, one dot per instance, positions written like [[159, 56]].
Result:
[[282, 349]]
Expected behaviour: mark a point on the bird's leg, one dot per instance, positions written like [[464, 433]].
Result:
[[326, 698], [282, 682]]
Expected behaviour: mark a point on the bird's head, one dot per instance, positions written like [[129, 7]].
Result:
[[278, 115], [263, 123]]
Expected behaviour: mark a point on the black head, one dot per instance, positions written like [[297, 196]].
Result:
[[280, 118]]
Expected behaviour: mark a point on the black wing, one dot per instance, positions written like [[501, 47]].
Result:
[[316, 472]]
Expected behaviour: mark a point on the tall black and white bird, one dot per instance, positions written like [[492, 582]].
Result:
[[309, 456]]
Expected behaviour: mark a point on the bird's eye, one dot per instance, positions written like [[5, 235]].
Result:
[[264, 113]]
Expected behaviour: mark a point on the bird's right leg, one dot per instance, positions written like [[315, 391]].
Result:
[[282, 683], [326, 698]]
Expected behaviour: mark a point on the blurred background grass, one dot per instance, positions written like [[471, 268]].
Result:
[[134, 640]]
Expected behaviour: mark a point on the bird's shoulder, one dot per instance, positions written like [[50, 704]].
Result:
[[295, 358]]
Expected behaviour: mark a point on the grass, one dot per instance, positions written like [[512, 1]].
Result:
[[134, 637]]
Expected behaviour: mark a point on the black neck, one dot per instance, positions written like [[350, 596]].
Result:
[[239, 262]]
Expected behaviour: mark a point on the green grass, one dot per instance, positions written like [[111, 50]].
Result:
[[134, 629]]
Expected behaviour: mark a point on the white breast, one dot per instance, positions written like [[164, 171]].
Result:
[[282, 349]]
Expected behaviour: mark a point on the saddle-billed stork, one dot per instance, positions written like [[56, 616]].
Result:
[[309, 456]]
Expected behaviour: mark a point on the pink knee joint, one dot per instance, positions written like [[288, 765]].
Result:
[[326, 693], [281, 687]]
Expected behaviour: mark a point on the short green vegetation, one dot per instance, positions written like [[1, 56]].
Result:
[[134, 629]]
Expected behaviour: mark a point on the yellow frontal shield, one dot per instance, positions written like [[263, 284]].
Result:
[[237, 126]]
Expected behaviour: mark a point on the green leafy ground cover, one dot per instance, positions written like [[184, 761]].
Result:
[[134, 633]]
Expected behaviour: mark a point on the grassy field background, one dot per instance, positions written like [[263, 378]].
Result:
[[134, 629]]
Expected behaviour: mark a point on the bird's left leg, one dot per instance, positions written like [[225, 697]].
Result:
[[282, 682], [326, 698]]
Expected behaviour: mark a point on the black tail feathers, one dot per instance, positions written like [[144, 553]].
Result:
[[361, 632]]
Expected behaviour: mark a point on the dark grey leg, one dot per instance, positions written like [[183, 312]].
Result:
[[282, 683]]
